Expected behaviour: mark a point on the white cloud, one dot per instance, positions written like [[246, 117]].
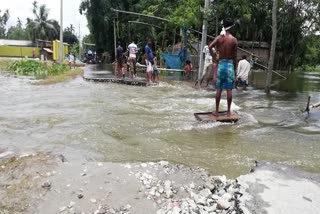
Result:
[[23, 10]]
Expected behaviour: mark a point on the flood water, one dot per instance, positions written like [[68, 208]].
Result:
[[120, 123]]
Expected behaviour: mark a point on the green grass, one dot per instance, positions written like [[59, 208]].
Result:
[[4, 64], [53, 79], [36, 68], [308, 68], [47, 72]]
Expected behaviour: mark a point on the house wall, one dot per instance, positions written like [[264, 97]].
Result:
[[16, 51], [56, 48]]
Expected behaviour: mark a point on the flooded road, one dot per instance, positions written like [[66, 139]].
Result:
[[119, 123]]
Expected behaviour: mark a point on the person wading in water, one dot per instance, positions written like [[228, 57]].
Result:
[[149, 60], [226, 46], [119, 58]]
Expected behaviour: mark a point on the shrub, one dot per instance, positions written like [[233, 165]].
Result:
[[28, 68], [36, 68], [57, 69]]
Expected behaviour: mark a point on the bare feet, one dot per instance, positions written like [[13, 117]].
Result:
[[228, 113], [215, 114]]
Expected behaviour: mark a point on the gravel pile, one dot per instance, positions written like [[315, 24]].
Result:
[[211, 194]]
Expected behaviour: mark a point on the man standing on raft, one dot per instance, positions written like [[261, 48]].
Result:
[[226, 46]]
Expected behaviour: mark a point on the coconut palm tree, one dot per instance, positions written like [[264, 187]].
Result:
[[42, 27], [35, 6]]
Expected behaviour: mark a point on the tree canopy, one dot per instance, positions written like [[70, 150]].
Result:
[[41, 26], [17, 32], [3, 20], [297, 20]]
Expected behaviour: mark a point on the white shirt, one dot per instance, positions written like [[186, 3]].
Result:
[[71, 58], [208, 57], [243, 69], [132, 50]]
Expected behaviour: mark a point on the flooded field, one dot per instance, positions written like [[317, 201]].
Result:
[[120, 123]]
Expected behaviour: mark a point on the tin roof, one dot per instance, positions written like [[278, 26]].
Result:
[[48, 50], [11, 42]]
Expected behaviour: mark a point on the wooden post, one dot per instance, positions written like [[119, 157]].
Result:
[[273, 46], [174, 40], [308, 105], [115, 38], [164, 36], [61, 56], [203, 39]]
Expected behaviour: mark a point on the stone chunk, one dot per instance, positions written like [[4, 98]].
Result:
[[206, 193], [223, 204], [209, 185], [93, 200], [46, 185], [176, 210]]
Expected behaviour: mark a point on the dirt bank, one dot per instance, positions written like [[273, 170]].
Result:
[[42, 183], [45, 183]]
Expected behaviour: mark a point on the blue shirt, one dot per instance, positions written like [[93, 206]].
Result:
[[149, 53]]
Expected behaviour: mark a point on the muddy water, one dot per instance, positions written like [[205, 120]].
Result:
[[121, 123]]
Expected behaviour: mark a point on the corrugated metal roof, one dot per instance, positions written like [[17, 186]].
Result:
[[48, 50], [10, 42]]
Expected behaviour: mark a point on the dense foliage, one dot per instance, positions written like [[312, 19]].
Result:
[[17, 32], [41, 27], [3, 20], [297, 20]]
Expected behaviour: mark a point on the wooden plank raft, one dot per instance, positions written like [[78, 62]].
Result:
[[135, 82], [209, 117]]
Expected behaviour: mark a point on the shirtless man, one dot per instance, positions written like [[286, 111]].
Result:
[[226, 46]]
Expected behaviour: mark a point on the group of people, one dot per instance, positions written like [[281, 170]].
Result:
[[128, 59], [222, 61], [125, 59]]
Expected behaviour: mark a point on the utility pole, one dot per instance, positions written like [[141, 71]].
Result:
[[61, 33], [115, 39], [79, 43], [203, 38], [273, 46]]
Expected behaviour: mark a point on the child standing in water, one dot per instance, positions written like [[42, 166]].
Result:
[[187, 69], [155, 74]]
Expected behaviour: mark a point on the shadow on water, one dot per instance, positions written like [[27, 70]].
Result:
[[125, 123]]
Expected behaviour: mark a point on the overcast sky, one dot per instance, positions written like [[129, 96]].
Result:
[[23, 9]]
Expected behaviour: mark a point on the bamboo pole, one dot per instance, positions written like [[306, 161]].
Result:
[[174, 40], [140, 14], [143, 23]]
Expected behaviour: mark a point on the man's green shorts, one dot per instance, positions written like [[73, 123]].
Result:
[[225, 74]]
